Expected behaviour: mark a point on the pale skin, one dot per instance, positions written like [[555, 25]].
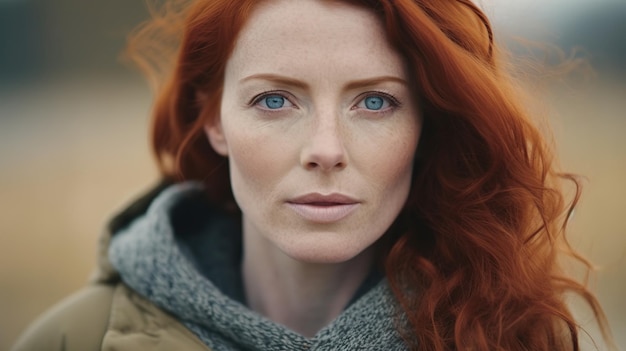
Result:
[[315, 101]]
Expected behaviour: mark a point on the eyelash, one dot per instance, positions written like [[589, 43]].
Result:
[[391, 99]]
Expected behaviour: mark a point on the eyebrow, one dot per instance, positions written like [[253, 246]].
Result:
[[302, 85]]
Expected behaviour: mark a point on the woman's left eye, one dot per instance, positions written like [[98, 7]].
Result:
[[376, 102]]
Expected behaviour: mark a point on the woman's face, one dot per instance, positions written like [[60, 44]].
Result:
[[320, 128]]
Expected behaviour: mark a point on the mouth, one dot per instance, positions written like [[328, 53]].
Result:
[[320, 208]]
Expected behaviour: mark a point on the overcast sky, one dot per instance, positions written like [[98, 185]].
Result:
[[512, 12], [76, 34]]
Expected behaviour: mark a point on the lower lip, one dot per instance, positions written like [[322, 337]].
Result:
[[323, 214]]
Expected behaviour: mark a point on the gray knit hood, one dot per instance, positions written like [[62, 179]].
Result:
[[183, 256]]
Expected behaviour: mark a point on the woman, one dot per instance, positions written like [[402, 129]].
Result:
[[339, 175]]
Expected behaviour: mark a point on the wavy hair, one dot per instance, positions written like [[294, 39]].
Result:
[[473, 258]]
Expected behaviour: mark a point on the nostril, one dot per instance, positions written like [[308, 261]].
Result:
[[312, 165], [315, 165]]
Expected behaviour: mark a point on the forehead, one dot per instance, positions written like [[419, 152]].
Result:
[[288, 37]]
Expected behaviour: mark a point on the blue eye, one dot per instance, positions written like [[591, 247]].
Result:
[[376, 102], [273, 102]]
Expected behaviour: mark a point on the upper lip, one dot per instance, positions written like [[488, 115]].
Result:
[[317, 198]]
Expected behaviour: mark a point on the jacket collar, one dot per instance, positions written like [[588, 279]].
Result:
[[104, 272]]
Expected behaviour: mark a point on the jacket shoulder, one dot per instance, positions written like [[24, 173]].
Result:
[[78, 322], [138, 324]]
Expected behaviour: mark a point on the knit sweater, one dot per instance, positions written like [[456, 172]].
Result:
[[184, 256]]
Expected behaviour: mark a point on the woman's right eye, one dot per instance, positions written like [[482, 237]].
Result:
[[273, 102]]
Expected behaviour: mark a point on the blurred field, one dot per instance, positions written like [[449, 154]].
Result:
[[71, 152], [590, 125]]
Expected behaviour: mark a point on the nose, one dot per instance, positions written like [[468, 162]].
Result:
[[325, 149]]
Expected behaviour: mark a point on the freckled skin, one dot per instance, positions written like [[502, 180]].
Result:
[[324, 139]]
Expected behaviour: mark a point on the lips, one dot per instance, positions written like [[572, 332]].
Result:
[[320, 208]]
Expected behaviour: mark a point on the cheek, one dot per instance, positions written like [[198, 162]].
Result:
[[391, 159], [256, 165]]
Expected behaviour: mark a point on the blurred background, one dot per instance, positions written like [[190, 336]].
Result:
[[74, 122]]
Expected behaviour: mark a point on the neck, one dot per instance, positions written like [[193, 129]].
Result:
[[304, 297]]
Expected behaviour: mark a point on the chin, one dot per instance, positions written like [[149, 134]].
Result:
[[321, 258], [328, 252]]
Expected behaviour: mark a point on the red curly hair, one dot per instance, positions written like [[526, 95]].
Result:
[[473, 257]]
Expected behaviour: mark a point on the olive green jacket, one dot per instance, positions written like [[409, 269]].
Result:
[[107, 317]]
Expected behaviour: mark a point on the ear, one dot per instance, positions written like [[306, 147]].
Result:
[[215, 134]]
